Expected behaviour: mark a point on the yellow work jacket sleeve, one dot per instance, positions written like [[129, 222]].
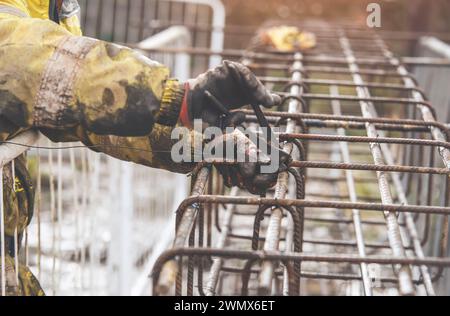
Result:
[[75, 88]]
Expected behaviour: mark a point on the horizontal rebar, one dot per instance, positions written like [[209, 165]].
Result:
[[220, 199]]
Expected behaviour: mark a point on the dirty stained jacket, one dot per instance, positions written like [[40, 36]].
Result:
[[75, 88]]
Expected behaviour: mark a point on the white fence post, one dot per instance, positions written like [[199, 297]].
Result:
[[218, 26], [175, 36]]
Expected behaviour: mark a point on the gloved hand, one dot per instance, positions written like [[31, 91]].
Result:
[[247, 173], [233, 85]]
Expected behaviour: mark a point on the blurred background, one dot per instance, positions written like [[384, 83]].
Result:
[[243, 17]]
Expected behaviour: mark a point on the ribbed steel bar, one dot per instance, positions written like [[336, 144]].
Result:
[[313, 204], [184, 225], [364, 139], [351, 188], [437, 134], [324, 276], [410, 223], [406, 286], [216, 267], [346, 118], [417, 97], [351, 166], [273, 230], [284, 256]]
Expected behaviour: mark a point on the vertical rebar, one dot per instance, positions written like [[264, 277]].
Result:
[[350, 181], [274, 228], [406, 286], [216, 267]]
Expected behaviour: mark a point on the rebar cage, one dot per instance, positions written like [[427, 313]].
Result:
[[362, 210], [356, 211]]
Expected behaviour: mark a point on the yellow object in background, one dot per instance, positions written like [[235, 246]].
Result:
[[288, 38]]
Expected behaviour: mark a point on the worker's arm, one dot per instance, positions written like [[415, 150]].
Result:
[[109, 97], [76, 88]]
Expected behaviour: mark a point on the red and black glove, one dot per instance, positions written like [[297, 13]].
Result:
[[233, 85]]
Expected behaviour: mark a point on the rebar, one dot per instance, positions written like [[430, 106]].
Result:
[[352, 118]]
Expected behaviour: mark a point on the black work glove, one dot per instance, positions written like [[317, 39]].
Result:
[[234, 86], [247, 174]]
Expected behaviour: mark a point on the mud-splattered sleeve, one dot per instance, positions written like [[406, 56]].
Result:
[[52, 79], [75, 88], [106, 89], [125, 106]]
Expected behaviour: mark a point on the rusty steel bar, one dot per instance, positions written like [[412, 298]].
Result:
[[328, 70], [283, 256], [341, 83], [406, 285], [378, 207], [324, 276], [351, 188], [410, 223], [299, 116], [273, 230], [216, 267], [437, 135], [365, 99], [345, 125], [364, 139], [351, 166], [185, 222], [327, 242], [427, 115]]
